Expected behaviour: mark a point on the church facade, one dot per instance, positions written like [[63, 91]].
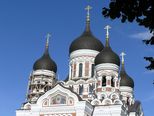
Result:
[[97, 84]]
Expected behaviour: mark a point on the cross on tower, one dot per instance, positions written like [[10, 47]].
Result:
[[88, 8], [123, 55], [47, 41], [107, 27]]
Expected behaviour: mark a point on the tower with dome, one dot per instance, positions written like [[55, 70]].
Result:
[[97, 84]]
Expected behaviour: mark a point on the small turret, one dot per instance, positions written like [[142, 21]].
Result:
[[126, 84], [43, 76]]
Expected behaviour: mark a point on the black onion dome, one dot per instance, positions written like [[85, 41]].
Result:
[[126, 80], [45, 62], [86, 41], [107, 55]]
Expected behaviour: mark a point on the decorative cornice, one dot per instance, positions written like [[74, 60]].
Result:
[[83, 52], [43, 72], [107, 66]]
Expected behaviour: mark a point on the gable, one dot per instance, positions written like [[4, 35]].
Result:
[[59, 95]]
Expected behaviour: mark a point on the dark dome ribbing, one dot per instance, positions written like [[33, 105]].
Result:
[[126, 80], [45, 62], [107, 55], [86, 41]]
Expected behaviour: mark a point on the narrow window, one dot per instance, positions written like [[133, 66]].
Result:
[[80, 89], [91, 87], [104, 81], [80, 69], [92, 70], [87, 69], [127, 100], [112, 82]]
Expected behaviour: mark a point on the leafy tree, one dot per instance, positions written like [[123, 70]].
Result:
[[139, 11]]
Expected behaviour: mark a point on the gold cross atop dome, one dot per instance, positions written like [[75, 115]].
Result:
[[88, 8], [107, 27], [122, 56], [47, 39]]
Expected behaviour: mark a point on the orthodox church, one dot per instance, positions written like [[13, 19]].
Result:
[[97, 84]]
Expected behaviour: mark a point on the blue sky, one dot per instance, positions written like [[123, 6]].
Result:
[[24, 25]]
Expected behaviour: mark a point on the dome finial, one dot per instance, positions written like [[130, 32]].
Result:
[[47, 40], [122, 56], [88, 8], [107, 27]]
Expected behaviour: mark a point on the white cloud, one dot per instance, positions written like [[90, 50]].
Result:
[[149, 72], [141, 35]]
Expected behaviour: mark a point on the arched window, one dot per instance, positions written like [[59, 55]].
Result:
[[127, 100], [91, 88], [112, 82], [92, 70], [80, 69], [80, 89], [104, 81]]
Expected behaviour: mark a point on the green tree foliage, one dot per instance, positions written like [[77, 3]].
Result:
[[139, 11]]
